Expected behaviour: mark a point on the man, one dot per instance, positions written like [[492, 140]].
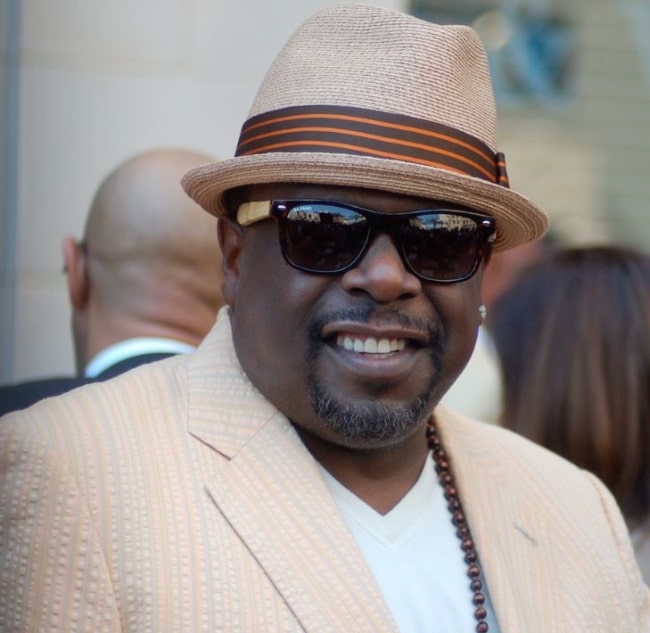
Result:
[[144, 283], [281, 477]]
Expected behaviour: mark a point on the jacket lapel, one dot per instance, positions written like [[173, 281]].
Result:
[[271, 492], [511, 538], [274, 497]]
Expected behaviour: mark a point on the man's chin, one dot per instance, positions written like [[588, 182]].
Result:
[[369, 423]]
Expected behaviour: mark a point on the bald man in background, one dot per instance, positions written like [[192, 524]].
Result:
[[145, 281]]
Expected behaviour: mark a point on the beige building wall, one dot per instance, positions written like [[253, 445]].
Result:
[[99, 82], [588, 162]]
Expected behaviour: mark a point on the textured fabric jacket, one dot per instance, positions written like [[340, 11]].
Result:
[[24, 394], [174, 498]]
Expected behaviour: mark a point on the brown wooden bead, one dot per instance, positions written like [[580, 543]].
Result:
[[480, 613], [450, 491], [453, 505], [467, 545], [462, 532]]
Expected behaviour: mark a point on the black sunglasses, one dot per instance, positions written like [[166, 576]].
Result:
[[440, 245]]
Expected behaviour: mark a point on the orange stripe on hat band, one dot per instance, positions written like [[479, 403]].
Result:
[[346, 148], [303, 134], [486, 154], [363, 132]]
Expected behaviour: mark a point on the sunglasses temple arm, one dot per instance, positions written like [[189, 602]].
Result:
[[251, 212]]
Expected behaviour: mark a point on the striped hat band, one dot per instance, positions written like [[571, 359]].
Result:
[[364, 132]]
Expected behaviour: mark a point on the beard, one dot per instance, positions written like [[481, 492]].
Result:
[[370, 420]]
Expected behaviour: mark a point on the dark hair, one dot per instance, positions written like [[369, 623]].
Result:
[[573, 337]]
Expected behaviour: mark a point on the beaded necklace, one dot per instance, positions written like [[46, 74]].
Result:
[[463, 533]]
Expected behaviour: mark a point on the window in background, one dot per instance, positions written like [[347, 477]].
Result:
[[531, 45]]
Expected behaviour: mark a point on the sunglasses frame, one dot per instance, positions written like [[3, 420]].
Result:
[[378, 222]]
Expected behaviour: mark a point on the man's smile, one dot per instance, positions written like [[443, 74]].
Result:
[[381, 351]]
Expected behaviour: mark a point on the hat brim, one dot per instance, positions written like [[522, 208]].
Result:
[[519, 220]]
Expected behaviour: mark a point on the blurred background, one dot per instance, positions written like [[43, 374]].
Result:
[[85, 85]]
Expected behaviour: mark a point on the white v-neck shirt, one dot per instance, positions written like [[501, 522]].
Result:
[[415, 556]]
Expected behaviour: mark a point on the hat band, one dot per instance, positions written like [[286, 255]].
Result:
[[363, 132]]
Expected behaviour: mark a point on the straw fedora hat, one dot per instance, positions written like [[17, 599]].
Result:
[[368, 97]]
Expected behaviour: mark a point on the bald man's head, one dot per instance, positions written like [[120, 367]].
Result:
[[150, 263]]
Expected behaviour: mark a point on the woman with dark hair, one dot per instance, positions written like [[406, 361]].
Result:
[[573, 338]]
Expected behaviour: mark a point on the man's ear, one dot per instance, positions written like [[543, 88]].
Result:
[[76, 268], [231, 241]]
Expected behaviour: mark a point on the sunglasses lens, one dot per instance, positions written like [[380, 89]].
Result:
[[442, 247], [322, 238]]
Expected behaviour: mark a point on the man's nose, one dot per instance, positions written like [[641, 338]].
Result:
[[381, 273]]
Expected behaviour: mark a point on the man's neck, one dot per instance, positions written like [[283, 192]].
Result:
[[381, 477]]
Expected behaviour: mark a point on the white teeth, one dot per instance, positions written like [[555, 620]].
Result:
[[383, 346], [371, 345]]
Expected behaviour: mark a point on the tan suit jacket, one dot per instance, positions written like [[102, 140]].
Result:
[[175, 498]]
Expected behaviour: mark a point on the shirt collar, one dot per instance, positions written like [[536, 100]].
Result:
[[133, 347]]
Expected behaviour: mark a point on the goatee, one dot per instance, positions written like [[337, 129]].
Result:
[[371, 421]]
